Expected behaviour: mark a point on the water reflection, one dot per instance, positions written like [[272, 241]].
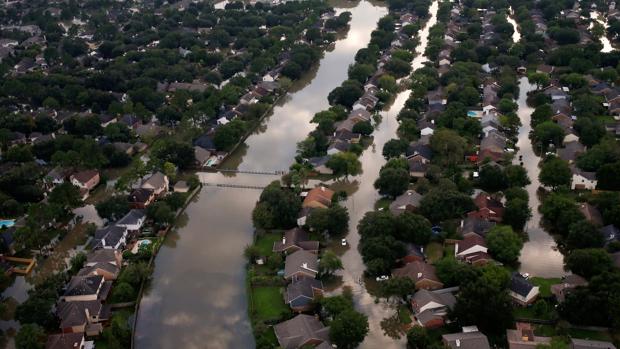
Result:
[[539, 256], [363, 200], [197, 298]]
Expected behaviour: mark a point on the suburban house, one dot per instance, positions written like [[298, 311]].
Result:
[[489, 208], [104, 262], [85, 179], [302, 331], [414, 253], [408, 201], [523, 338], [67, 341], [570, 151], [466, 340], [301, 264], [320, 165], [591, 213], [431, 308], [86, 316], [472, 249], [421, 273], [568, 284], [294, 240], [140, 198], [522, 291], [319, 197], [133, 220], [582, 180], [158, 182], [417, 167], [301, 294], [475, 225], [590, 344], [420, 151], [202, 156], [86, 288], [111, 237], [55, 177], [338, 146]]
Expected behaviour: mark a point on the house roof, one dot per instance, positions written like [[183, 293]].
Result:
[[201, 154], [591, 213], [111, 234], [205, 141], [519, 285], [294, 333], [470, 240], [83, 285], [417, 148], [320, 194], [417, 165], [133, 217], [85, 176], [102, 256], [417, 271], [303, 287], [590, 344], [524, 339], [475, 225], [423, 297], [585, 174], [361, 114], [339, 145], [141, 195], [466, 340], [295, 237], [570, 151], [92, 269], [156, 180], [301, 261], [408, 198], [74, 313], [64, 341]]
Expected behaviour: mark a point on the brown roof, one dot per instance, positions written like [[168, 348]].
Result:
[[300, 330], [64, 341], [417, 271], [320, 194], [85, 176], [470, 240], [591, 214]]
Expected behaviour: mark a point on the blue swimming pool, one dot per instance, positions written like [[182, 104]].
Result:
[[7, 223], [472, 114]]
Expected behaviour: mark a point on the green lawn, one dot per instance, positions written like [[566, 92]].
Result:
[[268, 303], [528, 313], [545, 285], [404, 315], [434, 252], [551, 331], [264, 242]]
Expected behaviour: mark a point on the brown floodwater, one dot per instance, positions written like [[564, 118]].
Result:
[[362, 199], [540, 255], [197, 298]]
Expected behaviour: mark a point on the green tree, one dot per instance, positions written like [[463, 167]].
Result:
[[364, 128], [160, 213], [398, 287], [348, 329], [413, 228], [392, 181], [517, 213], [394, 148], [344, 164], [329, 263], [66, 195], [504, 244], [30, 336], [113, 208], [452, 272], [539, 79], [77, 262], [418, 338], [333, 220], [548, 132], [588, 262], [277, 208], [448, 146], [555, 172], [583, 234], [439, 205]]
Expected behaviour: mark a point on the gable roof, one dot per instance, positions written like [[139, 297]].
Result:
[[469, 240], [133, 217], [85, 176], [303, 287], [423, 297], [417, 271], [83, 285], [74, 313], [476, 225], [519, 285], [591, 213], [301, 261], [590, 344], [320, 194], [141, 195], [64, 341], [417, 148], [295, 237], [102, 256], [408, 198], [296, 332], [466, 340], [156, 180], [111, 235]]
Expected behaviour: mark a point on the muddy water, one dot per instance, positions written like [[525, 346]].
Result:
[[197, 298]]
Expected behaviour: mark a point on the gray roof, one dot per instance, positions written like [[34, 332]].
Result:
[[408, 198], [519, 285], [295, 237], [475, 225], [111, 234], [157, 180], [302, 288], [296, 332], [570, 151], [301, 261], [83, 285], [64, 341], [588, 175], [102, 256], [90, 270], [423, 297], [416, 148], [132, 217], [74, 313], [466, 340], [590, 344]]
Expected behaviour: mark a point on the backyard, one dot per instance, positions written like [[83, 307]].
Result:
[[268, 303]]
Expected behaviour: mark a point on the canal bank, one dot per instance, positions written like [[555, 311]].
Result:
[[197, 295], [362, 198]]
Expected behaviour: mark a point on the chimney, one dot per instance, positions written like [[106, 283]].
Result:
[[322, 188], [284, 240], [458, 343], [419, 275]]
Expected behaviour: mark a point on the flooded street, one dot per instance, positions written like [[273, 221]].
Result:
[[363, 198], [539, 256], [604, 39], [197, 298]]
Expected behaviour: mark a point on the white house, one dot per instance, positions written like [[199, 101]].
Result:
[[488, 109], [427, 131], [133, 220], [522, 291], [583, 180]]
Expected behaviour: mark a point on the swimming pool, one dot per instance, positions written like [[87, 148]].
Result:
[[472, 114], [7, 223]]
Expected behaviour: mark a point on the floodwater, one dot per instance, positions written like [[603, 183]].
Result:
[[197, 298], [607, 47], [363, 200], [516, 35], [539, 256]]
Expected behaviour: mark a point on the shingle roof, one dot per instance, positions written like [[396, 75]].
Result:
[[133, 217], [294, 333], [301, 261], [519, 285], [83, 285], [74, 313], [64, 341], [417, 271], [302, 288], [408, 198], [466, 340], [111, 235], [590, 344]]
